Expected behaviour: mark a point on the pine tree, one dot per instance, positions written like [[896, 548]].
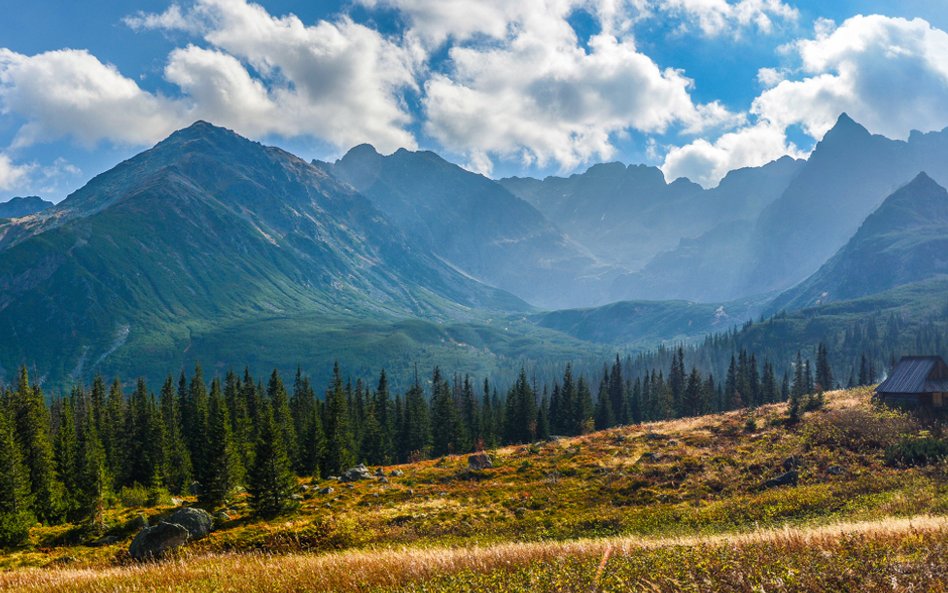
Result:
[[385, 417], [824, 374], [177, 470], [604, 405], [221, 470], [340, 454], [694, 402], [445, 420], [194, 420], [617, 396], [92, 481], [143, 450], [113, 433], [270, 483], [31, 428], [64, 449], [584, 408], [279, 401], [16, 517], [416, 426]]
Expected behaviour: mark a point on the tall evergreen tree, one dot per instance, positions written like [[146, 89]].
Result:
[[92, 481], [177, 471], [282, 415], [221, 470], [31, 425], [270, 483], [16, 516], [445, 421], [341, 453]]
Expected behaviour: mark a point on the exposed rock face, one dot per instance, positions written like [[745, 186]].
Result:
[[479, 461], [196, 521], [153, 542], [354, 474]]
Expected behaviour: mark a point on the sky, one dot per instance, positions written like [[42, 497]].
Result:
[[695, 87]]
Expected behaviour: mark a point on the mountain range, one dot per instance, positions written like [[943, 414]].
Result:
[[18, 207], [210, 247]]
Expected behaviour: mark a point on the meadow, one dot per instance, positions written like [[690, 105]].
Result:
[[680, 505]]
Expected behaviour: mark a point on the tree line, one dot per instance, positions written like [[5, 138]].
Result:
[[66, 461]]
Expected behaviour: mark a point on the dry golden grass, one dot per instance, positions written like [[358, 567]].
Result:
[[383, 569]]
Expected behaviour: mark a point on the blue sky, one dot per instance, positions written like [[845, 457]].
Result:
[[698, 87]]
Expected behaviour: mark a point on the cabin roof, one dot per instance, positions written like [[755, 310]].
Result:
[[913, 374]]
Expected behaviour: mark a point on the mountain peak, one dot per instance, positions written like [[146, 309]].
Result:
[[846, 128]]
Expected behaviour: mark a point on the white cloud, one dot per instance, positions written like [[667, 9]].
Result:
[[339, 81], [12, 175], [540, 97], [706, 163], [173, 18], [71, 93], [889, 74], [717, 17]]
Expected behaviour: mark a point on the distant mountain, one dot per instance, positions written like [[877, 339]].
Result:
[[209, 231], [846, 177], [17, 207], [628, 215], [904, 241], [476, 225]]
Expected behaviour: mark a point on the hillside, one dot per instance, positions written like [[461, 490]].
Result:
[[847, 176], [904, 241], [17, 207], [205, 232], [695, 485], [476, 225]]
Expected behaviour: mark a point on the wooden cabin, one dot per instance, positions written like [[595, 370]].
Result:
[[917, 382]]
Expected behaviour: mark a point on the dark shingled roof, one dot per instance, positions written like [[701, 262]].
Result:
[[912, 375]]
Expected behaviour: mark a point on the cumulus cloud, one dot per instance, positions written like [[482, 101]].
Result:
[[716, 17], [11, 174], [71, 93], [340, 81], [706, 163], [540, 97], [173, 18], [889, 74]]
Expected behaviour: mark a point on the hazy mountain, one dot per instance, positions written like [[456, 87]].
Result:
[[904, 241], [17, 207], [476, 225], [630, 214], [208, 230], [846, 177]]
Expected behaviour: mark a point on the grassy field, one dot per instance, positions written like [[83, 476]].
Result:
[[668, 506]]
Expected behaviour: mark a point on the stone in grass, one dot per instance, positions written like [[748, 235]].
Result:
[[153, 542], [397, 473], [479, 461], [787, 479], [196, 521], [327, 490], [354, 474]]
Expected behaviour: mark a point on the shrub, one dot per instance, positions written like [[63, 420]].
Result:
[[141, 496], [920, 450]]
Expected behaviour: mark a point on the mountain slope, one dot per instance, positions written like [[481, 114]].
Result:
[[476, 225], [905, 240], [629, 215], [17, 207], [846, 177], [208, 230]]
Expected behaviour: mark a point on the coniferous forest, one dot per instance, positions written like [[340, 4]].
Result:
[[209, 436]]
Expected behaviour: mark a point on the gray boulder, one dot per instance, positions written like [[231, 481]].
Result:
[[327, 490], [397, 473], [196, 521], [153, 542], [787, 479], [479, 461], [354, 474]]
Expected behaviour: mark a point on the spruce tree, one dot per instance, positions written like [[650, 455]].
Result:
[[31, 428], [340, 454], [270, 482], [445, 421], [16, 516], [92, 482], [177, 470], [282, 415], [221, 470]]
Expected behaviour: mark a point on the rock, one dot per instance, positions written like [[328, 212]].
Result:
[[835, 470], [379, 473], [305, 488], [383, 480], [333, 478], [354, 474], [649, 457], [153, 542], [397, 473], [791, 462], [479, 461], [786, 479], [196, 521], [296, 497], [327, 490]]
